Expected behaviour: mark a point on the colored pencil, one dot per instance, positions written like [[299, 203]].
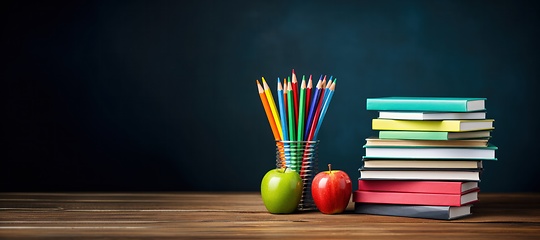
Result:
[[295, 95], [282, 114], [268, 112], [285, 97], [301, 109], [308, 99], [290, 106], [320, 102], [318, 109], [313, 107], [325, 90], [331, 90], [283, 119], [273, 107]]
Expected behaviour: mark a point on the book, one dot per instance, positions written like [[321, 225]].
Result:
[[438, 135], [440, 187], [414, 211], [416, 174], [435, 104], [405, 152], [431, 115], [415, 198], [424, 163], [375, 141], [432, 125]]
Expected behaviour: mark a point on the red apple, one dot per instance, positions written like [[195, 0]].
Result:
[[331, 191]]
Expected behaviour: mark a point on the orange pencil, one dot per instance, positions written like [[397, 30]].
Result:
[[273, 107], [268, 112]]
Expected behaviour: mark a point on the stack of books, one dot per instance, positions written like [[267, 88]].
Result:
[[427, 159]]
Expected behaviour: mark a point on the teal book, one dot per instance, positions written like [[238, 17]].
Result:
[[426, 135], [428, 104]]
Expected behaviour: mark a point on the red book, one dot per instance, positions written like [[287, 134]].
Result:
[[418, 186], [415, 198]]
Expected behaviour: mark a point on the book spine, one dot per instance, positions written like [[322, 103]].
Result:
[[413, 211], [438, 187], [419, 175], [413, 125], [416, 105], [407, 198], [468, 153], [413, 135]]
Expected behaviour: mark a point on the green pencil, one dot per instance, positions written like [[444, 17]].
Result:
[[290, 108], [294, 161], [301, 109]]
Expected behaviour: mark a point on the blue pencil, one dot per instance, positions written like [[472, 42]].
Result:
[[312, 109], [282, 113]]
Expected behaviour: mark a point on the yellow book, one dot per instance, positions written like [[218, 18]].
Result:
[[437, 125]]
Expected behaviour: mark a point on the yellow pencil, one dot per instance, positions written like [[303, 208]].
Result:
[[273, 107]]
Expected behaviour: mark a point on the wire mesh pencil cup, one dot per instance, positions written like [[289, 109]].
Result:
[[302, 157]]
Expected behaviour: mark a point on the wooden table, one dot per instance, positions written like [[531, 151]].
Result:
[[242, 215]]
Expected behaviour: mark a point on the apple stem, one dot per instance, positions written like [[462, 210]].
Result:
[[285, 169], [329, 167]]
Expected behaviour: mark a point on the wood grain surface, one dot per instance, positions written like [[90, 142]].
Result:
[[227, 215]]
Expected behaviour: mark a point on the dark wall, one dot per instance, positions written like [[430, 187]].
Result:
[[161, 95]]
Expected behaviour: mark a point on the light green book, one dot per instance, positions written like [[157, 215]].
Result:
[[433, 104], [423, 135]]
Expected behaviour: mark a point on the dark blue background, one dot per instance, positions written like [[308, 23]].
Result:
[[161, 95]]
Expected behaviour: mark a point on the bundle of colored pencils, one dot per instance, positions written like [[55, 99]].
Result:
[[300, 110]]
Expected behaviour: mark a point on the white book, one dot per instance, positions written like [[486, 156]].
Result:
[[420, 175], [436, 164], [400, 152], [431, 115]]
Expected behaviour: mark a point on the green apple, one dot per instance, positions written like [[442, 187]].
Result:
[[281, 190]]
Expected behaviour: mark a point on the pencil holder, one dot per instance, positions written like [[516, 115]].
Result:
[[302, 157]]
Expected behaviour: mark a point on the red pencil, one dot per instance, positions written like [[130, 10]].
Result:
[[308, 97], [295, 96]]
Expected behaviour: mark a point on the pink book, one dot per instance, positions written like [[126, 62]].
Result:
[[441, 187]]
